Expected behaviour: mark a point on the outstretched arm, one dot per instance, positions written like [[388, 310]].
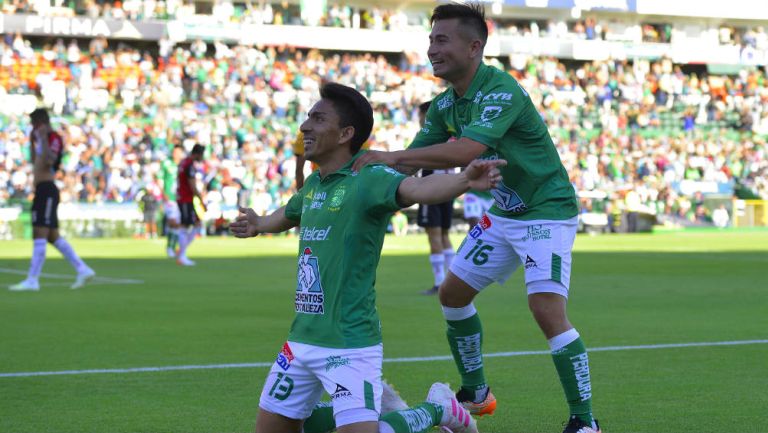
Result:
[[439, 188], [458, 153], [248, 224]]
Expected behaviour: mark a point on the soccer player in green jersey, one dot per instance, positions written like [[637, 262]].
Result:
[[171, 217], [335, 340], [532, 223]]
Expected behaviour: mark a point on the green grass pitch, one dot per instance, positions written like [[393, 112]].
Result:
[[236, 306]]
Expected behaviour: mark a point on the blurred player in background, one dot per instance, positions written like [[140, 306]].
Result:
[[436, 221], [335, 341], [46, 150], [476, 204], [171, 215], [186, 192]]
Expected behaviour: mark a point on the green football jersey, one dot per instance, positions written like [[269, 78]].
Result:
[[344, 217], [497, 112], [168, 174]]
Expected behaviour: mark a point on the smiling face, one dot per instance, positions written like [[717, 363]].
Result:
[[323, 136], [453, 51]]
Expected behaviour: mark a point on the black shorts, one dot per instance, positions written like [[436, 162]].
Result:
[[435, 215], [188, 214], [45, 205]]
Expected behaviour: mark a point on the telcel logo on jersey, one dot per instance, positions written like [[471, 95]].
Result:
[[481, 226], [285, 357], [314, 234]]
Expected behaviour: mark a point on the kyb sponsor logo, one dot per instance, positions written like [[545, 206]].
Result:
[[537, 232], [498, 96], [314, 233], [469, 350]]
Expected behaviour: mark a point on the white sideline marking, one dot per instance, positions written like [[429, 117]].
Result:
[[394, 360], [97, 279]]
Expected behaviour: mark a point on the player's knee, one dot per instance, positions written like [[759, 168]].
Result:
[[548, 309], [455, 293]]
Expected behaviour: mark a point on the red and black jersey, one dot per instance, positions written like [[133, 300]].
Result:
[[56, 146], [184, 193]]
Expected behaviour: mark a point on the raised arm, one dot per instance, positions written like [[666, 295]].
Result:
[[248, 224], [458, 153], [439, 188]]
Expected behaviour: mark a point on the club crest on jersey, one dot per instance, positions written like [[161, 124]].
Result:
[[285, 357], [309, 290], [334, 204], [490, 112], [481, 226]]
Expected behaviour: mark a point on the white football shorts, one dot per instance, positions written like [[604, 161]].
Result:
[[171, 210], [301, 372], [497, 246]]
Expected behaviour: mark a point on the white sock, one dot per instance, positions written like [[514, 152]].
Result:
[[38, 258], [460, 313], [559, 341], [438, 267], [69, 253], [448, 255], [186, 236], [182, 242]]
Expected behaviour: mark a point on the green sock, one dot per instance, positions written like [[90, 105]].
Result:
[[466, 340], [572, 364], [321, 419], [419, 419], [173, 239]]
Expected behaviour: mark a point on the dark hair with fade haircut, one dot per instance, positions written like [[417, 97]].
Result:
[[198, 149], [40, 115], [353, 110], [471, 14]]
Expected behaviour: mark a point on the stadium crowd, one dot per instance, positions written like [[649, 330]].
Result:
[[619, 126]]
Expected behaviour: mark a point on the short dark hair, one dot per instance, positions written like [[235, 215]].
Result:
[[424, 107], [198, 149], [353, 110], [40, 115], [471, 15]]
